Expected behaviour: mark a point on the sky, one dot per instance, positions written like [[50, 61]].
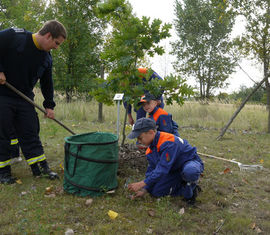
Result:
[[164, 10]]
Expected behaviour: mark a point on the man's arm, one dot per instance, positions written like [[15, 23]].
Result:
[[46, 85], [6, 37]]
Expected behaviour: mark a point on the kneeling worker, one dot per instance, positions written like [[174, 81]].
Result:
[[174, 166]]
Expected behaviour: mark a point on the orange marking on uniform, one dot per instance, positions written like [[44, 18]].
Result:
[[159, 112], [163, 138]]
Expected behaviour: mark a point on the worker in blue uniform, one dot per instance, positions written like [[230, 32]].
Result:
[[164, 121], [140, 111], [174, 166], [24, 59]]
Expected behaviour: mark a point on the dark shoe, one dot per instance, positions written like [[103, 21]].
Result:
[[35, 170], [192, 200], [6, 178], [46, 171]]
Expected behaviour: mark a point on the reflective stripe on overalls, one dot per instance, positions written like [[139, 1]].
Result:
[[14, 141], [5, 163], [36, 159]]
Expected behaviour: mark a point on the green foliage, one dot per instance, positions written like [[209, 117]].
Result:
[[26, 14], [129, 41], [203, 29], [78, 61], [258, 96]]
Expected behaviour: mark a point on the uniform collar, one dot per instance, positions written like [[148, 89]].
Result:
[[35, 42], [154, 110]]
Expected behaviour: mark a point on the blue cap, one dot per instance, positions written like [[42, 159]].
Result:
[[142, 125], [146, 98]]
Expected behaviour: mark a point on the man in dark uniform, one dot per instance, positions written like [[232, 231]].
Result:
[[24, 59]]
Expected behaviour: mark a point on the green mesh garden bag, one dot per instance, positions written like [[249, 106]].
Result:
[[91, 163]]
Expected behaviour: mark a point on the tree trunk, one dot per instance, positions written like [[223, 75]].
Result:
[[100, 105], [124, 128], [100, 116], [239, 109], [68, 96], [268, 103]]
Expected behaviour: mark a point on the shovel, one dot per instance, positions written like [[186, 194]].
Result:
[[37, 106]]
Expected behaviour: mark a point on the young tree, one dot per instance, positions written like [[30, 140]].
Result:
[[203, 28], [129, 41]]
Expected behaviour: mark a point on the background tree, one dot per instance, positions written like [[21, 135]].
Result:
[[258, 96], [255, 42], [79, 56], [203, 28], [27, 14]]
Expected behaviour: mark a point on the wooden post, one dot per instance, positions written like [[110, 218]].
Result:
[[239, 109]]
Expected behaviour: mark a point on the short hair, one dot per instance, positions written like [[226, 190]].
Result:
[[54, 27]]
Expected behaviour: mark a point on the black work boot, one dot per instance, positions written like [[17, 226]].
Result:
[[46, 171], [35, 170], [6, 178], [192, 200]]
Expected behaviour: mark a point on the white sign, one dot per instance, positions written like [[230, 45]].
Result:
[[118, 96]]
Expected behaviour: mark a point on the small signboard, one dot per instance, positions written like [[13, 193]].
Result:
[[118, 96]]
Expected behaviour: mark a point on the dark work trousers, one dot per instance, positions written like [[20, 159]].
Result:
[[19, 115], [14, 145]]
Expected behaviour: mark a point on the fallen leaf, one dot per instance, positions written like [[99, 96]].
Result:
[[253, 226], [18, 181], [111, 192], [245, 181], [61, 166], [69, 231], [261, 161], [235, 190], [151, 212], [181, 211], [227, 170], [89, 202], [50, 195], [49, 190]]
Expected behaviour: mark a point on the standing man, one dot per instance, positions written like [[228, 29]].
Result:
[[24, 59]]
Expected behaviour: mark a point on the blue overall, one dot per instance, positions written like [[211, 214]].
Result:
[[174, 166], [164, 121]]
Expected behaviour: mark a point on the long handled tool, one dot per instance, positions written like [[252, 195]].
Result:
[[243, 167], [37, 106]]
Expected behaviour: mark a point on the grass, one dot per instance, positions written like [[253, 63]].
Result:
[[237, 202]]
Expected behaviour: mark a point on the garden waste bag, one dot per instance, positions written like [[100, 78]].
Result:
[[91, 163]]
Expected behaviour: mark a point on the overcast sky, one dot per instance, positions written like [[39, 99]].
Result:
[[164, 10]]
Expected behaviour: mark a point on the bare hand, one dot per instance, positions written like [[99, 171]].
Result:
[[49, 113], [2, 78], [130, 120], [136, 186], [140, 193]]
